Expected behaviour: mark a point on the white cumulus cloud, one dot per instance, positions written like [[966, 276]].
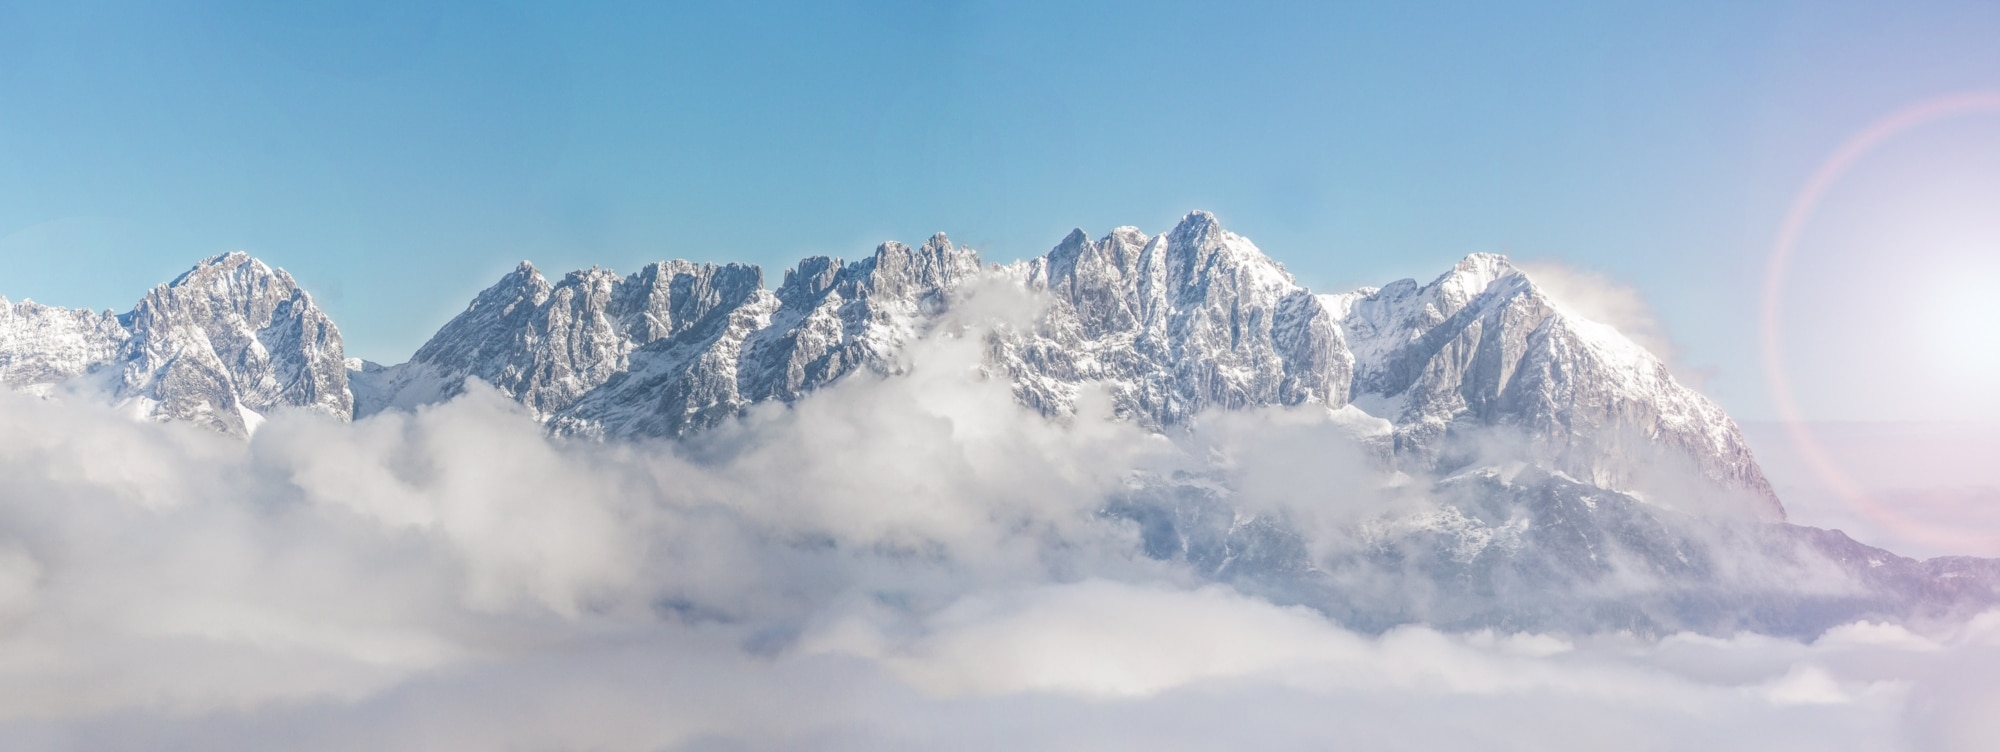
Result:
[[907, 563]]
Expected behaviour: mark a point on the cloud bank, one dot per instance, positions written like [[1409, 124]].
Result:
[[906, 563]]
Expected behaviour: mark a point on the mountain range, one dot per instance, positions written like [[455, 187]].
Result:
[[1608, 463]]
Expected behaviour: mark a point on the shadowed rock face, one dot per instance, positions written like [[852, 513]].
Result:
[[1170, 325], [548, 345], [219, 346], [678, 346], [232, 335], [1194, 319], [41, 346], [1530, 551], [1573, 464], [1482, 346]]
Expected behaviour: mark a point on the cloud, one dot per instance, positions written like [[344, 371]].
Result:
[[905, 563]]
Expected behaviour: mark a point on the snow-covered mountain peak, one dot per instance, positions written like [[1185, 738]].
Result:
[[1492, 280], [549, 345], [228, 340], [922, 276], [233, 279], [1171, 326], [523, 283], [219, 345], [1482, 345], [1117, 254], [1197, 238], [1174, 324], [595, 275], [1199, 250], [1196, 224], [1130, 234], [524, 275], [41, 346], [231, 259], [1469, 278], [1063, 258]]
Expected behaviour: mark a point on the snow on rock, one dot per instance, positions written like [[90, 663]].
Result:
[[220, 346], [1170, 326], [41, 345], [232, 335], [1483, 346], [828, 318], [1194, 319]]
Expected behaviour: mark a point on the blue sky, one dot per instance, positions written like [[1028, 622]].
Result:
[[397, 158]]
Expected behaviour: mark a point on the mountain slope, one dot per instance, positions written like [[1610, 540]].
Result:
[[826, 320], [218, 346], [1479, 361], [41, 346], [1194, 319], [1552, 473], [1518, 549], [1483, 346]]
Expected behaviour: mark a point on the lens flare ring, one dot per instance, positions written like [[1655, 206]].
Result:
[[1800, 213]]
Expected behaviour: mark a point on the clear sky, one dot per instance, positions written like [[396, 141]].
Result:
[[399, 158]]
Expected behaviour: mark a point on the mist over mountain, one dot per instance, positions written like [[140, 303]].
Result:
[[1191, 320], [907, 471]]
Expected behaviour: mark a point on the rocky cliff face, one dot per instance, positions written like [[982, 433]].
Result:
[[219, 346], [678, 346], [41, 346], [1191, 320], [549, 345], [1170, 325], [1475, 362], [1482, 346], [1565, 478], [827, 319], [1520, 549]]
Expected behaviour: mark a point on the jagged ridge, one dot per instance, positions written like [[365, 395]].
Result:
[[218, 346], [1171, 325], [1475, 370], [1194, 319]]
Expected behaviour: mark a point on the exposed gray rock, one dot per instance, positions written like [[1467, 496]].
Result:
[[1519, 549], [41, 346], [219, 346], [681, 346], [227, 341], [1582, 485], [1172, 325], [1191, 320], [1482, 347]]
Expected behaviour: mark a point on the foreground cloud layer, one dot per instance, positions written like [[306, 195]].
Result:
[[914, 562]]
